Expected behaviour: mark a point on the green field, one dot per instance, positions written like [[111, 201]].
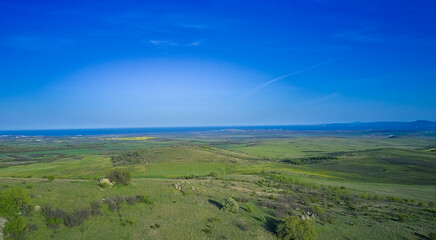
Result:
[[353, 185]]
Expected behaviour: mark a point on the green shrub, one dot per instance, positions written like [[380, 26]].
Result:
[[129, 158], [432, 236], [51, 178], [77, 217], [319, 210], [243, 226], [212, 220], [131, 200], [96, 208], [230, 205], [12, 202], [15, 228], [120, 176], [128, 223], [249, 209], [114, 203], [296, 229], [144, 199], [213, 174], [155, 226], [54, 217], [104, 185], [402, 218]]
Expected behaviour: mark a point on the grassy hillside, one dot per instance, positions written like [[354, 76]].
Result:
[[350, 187]]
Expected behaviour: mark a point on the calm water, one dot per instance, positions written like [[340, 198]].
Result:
[[376, 126], [120, 131]]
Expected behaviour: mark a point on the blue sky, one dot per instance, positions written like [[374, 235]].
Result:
[[92, 64]]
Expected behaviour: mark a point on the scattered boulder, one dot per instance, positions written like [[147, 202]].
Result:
[[2, 225], [106, 181], [177, 186], [37, 208], [308, 216]]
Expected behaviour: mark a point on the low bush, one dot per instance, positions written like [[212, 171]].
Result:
[[402, 218], [77, 217], [249, 209], [244, 227], [96, 209], [144, 199], [15, 228], [128, 223], [296, 229], [114, 203], [212, 220], [155, 226], [120, 176], [129, 158], [131, 200], [230, 205], [242, 199], [56, 217], [12, 202]]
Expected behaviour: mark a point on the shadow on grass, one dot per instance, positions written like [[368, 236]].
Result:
[[420, 236], [217, 204], [271, 224]]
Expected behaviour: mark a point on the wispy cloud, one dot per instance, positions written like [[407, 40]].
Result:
[[265, 84], [163, 43], [170, 43], [195, 43]]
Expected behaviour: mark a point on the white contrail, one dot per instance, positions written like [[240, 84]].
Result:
[[256, 89]]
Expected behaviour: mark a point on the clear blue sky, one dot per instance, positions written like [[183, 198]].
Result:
[[213, 63]]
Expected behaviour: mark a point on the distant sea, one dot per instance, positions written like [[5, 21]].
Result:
[[124, 131], [420, 125]]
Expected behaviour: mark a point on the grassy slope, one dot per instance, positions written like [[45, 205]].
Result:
[[180, 217], [185, 216], [410, 173]]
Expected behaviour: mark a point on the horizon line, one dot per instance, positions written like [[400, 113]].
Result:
[[211, 126]]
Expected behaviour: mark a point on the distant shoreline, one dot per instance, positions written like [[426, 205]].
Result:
[[373, 126]]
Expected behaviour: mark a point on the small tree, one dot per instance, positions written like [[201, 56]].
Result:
[[230, 205], [120, 176], [294, 228], [15, 228], [12, 201]]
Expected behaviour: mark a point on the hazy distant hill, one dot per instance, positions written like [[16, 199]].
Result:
[[420, 125]]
